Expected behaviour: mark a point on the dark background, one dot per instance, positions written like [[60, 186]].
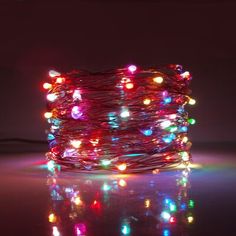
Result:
[[40, 35]]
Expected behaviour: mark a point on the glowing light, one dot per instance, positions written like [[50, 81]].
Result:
[[192, 101], [55, 231], [80, 229], [77, 95], [190, 219], [122, 167], [147, 203], [122, 183], [76, 113], [146, 101], [106, 162], [129, 85], [47, 86], [75, 143], [125, 229], [51, 137], [185, 156], [60, 80], [185, 139], [166, 232], [51, 165], [186, 75], [172, 219], [52, 218], [172, 116], [191, 121], [167, 100], [158, 79], [77, 201], [125, 113], [132, 68], [172, 207], [94, 141], [165, 216], [191, 204], [51, 97], [165, 124], [48, 115], [147, 132], [106, 187], [53, 73], [96, 205]]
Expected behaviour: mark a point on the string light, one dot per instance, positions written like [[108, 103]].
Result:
[[119, 120]]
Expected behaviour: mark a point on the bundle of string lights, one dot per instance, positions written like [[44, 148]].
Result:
[[125, 120]]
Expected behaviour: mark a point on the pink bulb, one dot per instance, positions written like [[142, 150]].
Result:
[[132, 68]]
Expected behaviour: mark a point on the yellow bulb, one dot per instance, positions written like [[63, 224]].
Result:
[[47, 86], [192, 101], [122, 167], [190, 219], [75, 143], [122, 183], [185, 139], [48, 115], [147, 203], [60, 80], [77, 201], [52, 218], [146, 101], [158, 79]]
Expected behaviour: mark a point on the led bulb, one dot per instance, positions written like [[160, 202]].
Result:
[[122, 167], [60, 80], [129, 85], [158, 79], [192, 101], [48, 115], [165, 124], [75, 143], [77, 95], [146, 101], [125, 113], [132, 68], [51, 97], [76, 113], [53, 73], [47, 86]]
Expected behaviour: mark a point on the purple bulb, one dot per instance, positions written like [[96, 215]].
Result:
[[76, 112]]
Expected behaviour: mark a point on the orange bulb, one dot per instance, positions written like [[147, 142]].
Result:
[[48, 115], [52, 218], [129, 85], [122, 167], [47, 86]]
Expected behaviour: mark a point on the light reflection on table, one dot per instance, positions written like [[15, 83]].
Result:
[[87, 204]]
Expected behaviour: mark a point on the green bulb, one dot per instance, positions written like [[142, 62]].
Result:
[[106, 162], [191, 204], [191, 121]]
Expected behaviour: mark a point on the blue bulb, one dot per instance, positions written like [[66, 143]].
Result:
[[183, 206], [51, 137], [147, 132], [184, 129], [166, 232], [167, 100], [167, 139]]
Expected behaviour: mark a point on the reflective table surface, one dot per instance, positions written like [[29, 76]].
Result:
[[39, 199]]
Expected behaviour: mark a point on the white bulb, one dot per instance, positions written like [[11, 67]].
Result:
[[51, 97], [165, 124], [53, 73], [76, 95], [125, 113]]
